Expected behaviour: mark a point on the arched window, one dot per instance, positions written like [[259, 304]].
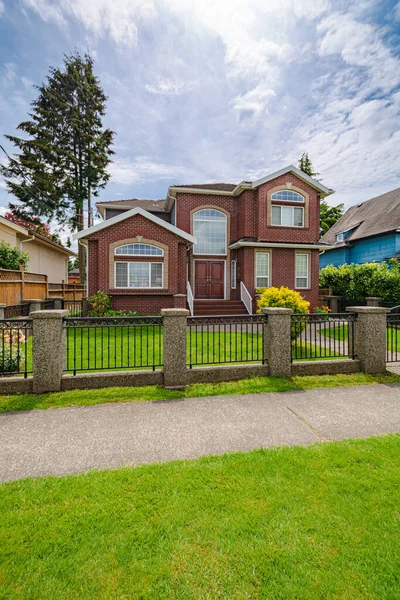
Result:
[[287, 196], [209, 227], [139, 250]]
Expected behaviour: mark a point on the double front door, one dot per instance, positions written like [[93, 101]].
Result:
[[209, 279]]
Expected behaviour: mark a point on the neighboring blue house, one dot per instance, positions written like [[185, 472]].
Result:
[[367, 232]]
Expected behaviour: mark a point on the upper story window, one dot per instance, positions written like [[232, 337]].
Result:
[[339, 237], [139, 250], [209, 227], [287, 196], [287, 216]]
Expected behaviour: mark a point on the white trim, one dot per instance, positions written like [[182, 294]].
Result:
[[225, 253], [141, 262], [131, 213], [194, 275], [138, 244], [269, 270], [233, 279], [301, 202], [296, 277], [243, 185], [14, 226], [246, 298], [292, 207], [239, 244]]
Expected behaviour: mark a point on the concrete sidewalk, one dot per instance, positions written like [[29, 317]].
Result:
[[68, 440]]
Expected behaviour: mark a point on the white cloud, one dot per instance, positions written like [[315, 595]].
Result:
[[168, 87], [131, 171], [254, 102], [2, 9]]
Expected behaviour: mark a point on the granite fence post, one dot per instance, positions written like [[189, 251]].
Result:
[[370, 337], [175, 325], [58, 303], [85, 307], [49, 351], [2, 307], [374, 301], [277, 341], [34, 305]]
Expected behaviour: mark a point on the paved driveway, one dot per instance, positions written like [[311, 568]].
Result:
[[68, 440]]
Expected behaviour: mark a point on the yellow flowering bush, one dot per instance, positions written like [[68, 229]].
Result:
[[284, 297]]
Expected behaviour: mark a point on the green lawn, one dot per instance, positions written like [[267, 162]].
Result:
[[341, 333], [302, 522], [154, 393]]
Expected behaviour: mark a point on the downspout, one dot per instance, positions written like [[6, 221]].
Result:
[[81, 243], [23, 242]]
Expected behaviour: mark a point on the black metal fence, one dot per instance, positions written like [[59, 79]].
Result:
[[15, 347], [224, 340], [393, 335], [113, 343], [317, 336], [16, 310]]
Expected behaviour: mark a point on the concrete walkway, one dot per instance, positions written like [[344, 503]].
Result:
[[68, 440]]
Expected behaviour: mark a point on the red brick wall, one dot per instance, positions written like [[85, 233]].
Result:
[[144, 301]]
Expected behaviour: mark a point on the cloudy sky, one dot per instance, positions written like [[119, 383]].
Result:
[[223, 90]]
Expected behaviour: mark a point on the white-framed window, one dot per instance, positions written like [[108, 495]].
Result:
[[139, 274], [287, 196], [139, 250], [288, 216], [302, 272], [209, 227], [233, 274], [262, 269], [339, 237]]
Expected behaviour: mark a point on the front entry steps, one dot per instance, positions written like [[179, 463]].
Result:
[[204, 308]]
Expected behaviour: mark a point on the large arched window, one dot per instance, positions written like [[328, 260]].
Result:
[[287, 196], [139, 250], [209, 227]]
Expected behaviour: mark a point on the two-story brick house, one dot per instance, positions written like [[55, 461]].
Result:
[[215, 243]]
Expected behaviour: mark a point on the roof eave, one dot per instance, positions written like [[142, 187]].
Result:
[[324, 191], [240, 244]]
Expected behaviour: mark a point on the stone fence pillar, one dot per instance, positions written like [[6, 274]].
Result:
[[58, 303], [277, 341], [373, 301], [49, 351], [34, 305], [175, 325], [370, 337], [2, 307]]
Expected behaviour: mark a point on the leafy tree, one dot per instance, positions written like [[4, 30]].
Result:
[[33, 224], [329, 215], [73, 263], [306, 166], [11, 257], [63, 157]]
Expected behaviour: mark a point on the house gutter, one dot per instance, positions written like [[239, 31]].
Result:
[[24, 241]]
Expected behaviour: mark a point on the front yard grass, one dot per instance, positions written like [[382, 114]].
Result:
[[154, 393], [301, 522], [341, 333]]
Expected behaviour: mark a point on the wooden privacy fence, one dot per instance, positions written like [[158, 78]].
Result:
[[17, 286]]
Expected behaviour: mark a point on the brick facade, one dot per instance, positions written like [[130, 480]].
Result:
[[248, 216]]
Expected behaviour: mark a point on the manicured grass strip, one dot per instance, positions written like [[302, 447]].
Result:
[[315, 522], [341, 333], [149, 393]]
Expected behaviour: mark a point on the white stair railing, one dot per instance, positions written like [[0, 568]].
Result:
[[190, 299], [246, 298]]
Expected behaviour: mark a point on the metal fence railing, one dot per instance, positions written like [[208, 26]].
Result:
[[112, 343], [16, 310], [317, 336], [15, 347], [75, 307], [224, 340], [393, 335]]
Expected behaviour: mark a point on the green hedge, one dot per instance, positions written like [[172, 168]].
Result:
[[357, 282]]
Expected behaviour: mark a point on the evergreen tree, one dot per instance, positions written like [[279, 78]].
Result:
[[62, 161], [306, 166], [329, 215]]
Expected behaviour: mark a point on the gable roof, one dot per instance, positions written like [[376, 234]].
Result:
[[29, 233], [372, 217], [150, 205], [231, 189], [131, 213]]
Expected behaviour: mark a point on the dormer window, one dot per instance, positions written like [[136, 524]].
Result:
[[287, 196], [339, 237]]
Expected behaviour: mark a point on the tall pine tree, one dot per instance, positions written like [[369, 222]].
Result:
[[62, 160], [306, 166]]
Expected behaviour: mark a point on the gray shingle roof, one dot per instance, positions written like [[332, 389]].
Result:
[[221, 187], [372, 217]]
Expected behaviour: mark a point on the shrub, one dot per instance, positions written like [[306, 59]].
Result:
[[12, 258], [99, 304], [285, 298], [357, 282], [11, 352]]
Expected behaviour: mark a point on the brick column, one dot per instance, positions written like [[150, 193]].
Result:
[[370, 337], [277, 341], [175, 324], [48, 350], [179, 300]]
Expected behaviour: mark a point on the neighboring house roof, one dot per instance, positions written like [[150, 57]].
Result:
[[150, 205], [131, 213], [28, 233], [372, 217]]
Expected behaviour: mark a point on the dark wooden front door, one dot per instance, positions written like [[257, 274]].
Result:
[[209, 279]]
